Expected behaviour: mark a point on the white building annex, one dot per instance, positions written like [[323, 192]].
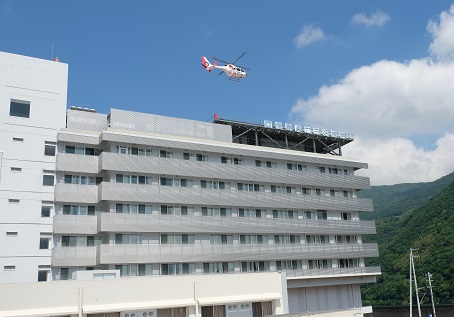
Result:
[[164, 200]]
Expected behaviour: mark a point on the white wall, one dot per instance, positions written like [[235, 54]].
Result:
[[128, 294], [43, 84]]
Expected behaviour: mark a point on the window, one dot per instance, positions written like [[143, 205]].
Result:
[[216, 211], [257, 266], [285, 214], [251, 187], [253, 239], [166, 154], [289, 265], [283, 189], [294, 167], [268, 164], [43, 275], [195, 157], [126, 238], [317, 239], [46, 210], [9, 267], [321, 169], [343, 263], [177, 239], [133, 209], [319, 264], [346, 216], [19, 108], [81, 210], [177, 268], [18, 139], [48, 178], [221, 239], [80, 150], [333, 170], [285, 239], [230, 160], [122, 149], [49, 148], [253, 213], [13, 201], [176, 182], [44, 241], [11, 233], [218, 267], [82, 180]]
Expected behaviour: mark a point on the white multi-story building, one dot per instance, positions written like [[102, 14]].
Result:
[[149, 195], [32, 111]]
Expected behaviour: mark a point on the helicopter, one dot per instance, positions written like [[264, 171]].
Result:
[[234, 72]]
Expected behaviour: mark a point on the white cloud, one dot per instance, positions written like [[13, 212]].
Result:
[[442, 46], [378, 18], [388, 104], [308, 35]]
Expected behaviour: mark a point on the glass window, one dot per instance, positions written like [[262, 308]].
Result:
[[49, 148], [48, 180], [46, 210], [19, 109]]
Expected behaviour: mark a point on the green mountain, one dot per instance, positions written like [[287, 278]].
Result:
[[422, 217], [393, 200]]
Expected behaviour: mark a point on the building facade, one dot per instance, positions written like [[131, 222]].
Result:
[[149, 195]]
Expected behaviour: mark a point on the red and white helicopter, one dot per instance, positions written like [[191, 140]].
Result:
[[233, 71]]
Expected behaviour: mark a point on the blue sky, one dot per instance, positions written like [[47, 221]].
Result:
[[316, 63]]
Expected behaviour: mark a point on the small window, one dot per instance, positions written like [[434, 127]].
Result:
[[43, 275], [19, 109], [46, 211], [18, 139], [9, 267], [13, 201], [49, 148], [44, 242], [48, 178], [16, 169], [11, 234]]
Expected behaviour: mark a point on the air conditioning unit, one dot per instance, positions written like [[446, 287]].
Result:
[[147, 313], [129, 314]]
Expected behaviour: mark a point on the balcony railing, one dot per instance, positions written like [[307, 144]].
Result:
[[75, 224], [349, 271], [116, 222], [74, 256], [152, 253]]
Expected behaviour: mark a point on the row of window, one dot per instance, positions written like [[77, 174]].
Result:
[[133, 238], [127, 208], [229, 267]]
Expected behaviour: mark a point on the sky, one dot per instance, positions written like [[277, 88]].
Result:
[[382, 70]]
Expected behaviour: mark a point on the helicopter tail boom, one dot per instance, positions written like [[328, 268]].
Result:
[[207, 65]]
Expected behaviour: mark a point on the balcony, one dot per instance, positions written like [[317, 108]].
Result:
[[74, 224], [213, 197], [155, 165], [77, 163], [74, 256], [74, 193], [116, 222], [155, 253], [349, 271]]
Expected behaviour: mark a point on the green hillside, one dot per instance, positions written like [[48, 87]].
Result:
[[430, 228], [393, 200]]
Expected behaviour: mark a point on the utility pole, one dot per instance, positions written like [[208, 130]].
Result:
[[431, 294], [412, 270]]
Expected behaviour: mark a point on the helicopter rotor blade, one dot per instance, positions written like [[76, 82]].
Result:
[[221, 72], [220, 60], [239, 58], [243, 67]]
